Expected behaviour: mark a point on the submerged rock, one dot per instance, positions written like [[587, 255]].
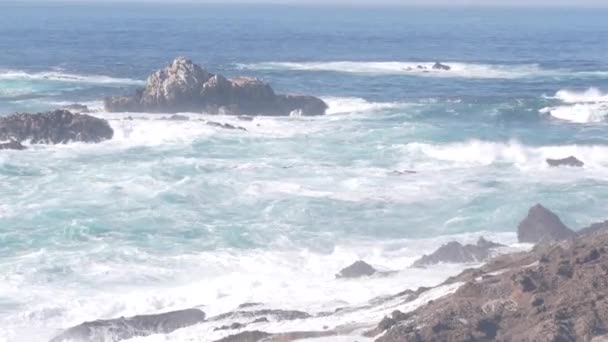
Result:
[[555, 292], [119, 329], [357, 270], [455, 252], [570, 161], [542, 226], [439, 66], [186, 87], [57, 127], [12, 145]]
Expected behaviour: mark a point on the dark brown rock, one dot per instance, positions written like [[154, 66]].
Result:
[[357, 270], [570, 161], [542, 226], [186, 87], [556, 292], [119, 329], [455, 252], [57, 127]]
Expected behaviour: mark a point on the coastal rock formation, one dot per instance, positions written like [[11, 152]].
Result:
[[555, 292], [542, 226], [439, 66], [186, 87], [12, 145], [455, 252], [357, 270], [57, 127], [570, 161], [119, 329]]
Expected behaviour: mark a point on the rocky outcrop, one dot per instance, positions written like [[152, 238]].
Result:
[[542, 226], [439, 66], [57, 127], [556, 292], [455, 252], [570, 161], [119, 329], [259, 336], [357, 270], [186, 87], [12, 145]]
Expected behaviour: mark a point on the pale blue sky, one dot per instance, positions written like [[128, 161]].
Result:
[[534, 3]]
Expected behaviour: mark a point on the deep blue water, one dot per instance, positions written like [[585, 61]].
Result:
[[142, 223]]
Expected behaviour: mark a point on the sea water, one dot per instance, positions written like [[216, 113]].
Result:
[[177, 214]]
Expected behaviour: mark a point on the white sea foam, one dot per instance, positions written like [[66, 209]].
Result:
[[59, 76], [458, 69], [135, 282], [349, 105], [588, 106], [484, 153], [591, 95]]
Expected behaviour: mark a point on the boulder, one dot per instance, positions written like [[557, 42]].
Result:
[[186, 87], [455, 253], [357, 270], [119, 329], [439, 66], [570, 161], [542, 226], [57, 127], [12, 145]]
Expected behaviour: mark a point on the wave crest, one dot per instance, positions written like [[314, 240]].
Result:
[[59, 76], [587, 106]]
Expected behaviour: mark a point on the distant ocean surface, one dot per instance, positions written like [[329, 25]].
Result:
[[172, 215]]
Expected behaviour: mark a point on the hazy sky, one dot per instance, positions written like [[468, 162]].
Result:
[[534, 3]]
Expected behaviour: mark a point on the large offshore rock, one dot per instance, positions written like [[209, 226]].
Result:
[[542, 226], [186, 87]]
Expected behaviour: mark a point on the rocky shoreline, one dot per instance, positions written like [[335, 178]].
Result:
[[557, 291]]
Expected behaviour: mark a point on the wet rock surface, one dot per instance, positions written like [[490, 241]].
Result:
[[119, 329], [357, 270], [542, 226], [455, 252], [56, 127], [186, 87], [570, 161]]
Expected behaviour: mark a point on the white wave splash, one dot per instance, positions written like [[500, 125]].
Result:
[[483, 153], [586, 106], [349, 105], [59, 76], [458, 69]]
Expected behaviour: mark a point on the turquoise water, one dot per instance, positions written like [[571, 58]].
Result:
[[178, 214]]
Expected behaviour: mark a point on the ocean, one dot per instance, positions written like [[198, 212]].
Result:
[[176, 214]]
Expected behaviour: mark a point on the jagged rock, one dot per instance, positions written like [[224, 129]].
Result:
[[555, 292], [357, 270], [596, 228], [57, 127], [119, 329], [570, 161], [76, 108], [224, 125], [186, 87], [542, 226], [12, 145], [439, 66], [455, 252]]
